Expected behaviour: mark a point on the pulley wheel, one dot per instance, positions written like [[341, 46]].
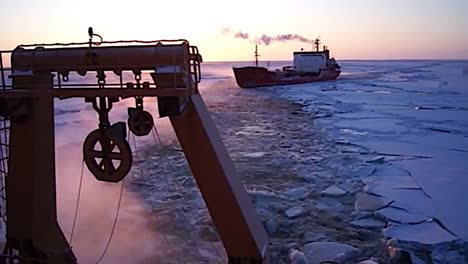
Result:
[[108, 156], [140, 122]]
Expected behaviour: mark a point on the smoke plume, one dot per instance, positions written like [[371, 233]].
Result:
[[235, 34], [265, 39], [242, 35]]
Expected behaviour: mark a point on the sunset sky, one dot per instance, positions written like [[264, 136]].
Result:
[[352, 29]]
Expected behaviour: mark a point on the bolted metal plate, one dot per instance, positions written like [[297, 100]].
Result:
[[108, 156]]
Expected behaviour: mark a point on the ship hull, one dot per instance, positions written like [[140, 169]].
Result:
[[248, 77]]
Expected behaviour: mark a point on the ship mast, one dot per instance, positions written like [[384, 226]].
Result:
[[256, 55], [317, 44]]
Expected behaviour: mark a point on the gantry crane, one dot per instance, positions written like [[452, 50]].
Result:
[[40, 73]]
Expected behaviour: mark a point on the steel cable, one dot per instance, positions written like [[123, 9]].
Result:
[[166, 164], [77, 203]]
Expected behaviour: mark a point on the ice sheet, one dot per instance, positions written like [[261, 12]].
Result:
[[415, 114]]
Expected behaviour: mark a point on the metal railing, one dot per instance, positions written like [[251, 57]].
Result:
[[62, 81]]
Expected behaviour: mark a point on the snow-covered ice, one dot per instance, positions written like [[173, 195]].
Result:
[[426, 234], [414, 114]]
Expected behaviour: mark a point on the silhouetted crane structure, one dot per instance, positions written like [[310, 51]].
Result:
[[40, 73]]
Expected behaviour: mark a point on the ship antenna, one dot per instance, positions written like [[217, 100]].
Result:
[[317, 44], [256, 55]]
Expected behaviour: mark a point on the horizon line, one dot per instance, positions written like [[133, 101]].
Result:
[[448, 59]]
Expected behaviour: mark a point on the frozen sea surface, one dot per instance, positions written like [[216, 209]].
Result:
[[412, 115], [415, 115]]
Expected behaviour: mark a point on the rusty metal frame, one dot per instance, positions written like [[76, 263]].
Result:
[[32, 227]]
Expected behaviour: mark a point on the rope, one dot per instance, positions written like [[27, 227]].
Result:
[[104, 42], [77, 203], [115, 218], [171, 249], [166, 162], [159, 142], [114, 224]]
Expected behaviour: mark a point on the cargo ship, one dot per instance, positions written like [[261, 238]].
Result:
[[308, 66]]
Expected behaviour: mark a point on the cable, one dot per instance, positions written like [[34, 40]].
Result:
[[100, 42], [159, 142], [104, 42], [134, 142], [77, 204], [115, 218], [167, 163], [113, 225]]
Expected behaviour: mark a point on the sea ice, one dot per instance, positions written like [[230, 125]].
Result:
[[298, 193], [330, 205], [333, 191], [424, 234], [318, 252], [369, 202], [295, 212], [399, 216], [451, 257], [368, 223]]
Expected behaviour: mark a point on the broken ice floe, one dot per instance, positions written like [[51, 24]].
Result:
[[250, 130], [447, 257], [401, 189], [298, 193], [353, 132], [369, 261], [296, 211], [314, 237], [333, 191], [297, 257], [423, 235], [318, 252], [378, 159], [369, 202], [369, 223], [401, 216], [329, 205], [257, 154]]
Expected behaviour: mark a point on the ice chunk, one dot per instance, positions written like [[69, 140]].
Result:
[[271, 226], [297, 257], [452, 257], [369, 223], [317, 252], [426, 234], [297, 193], [369, 261], [295, 212], [257, 154], [369, 202], [330, 205], [415, 259], [333, 191], [414, 200], [378, 159], [400, 216], [394, 182], [361, 214], [313, 237]]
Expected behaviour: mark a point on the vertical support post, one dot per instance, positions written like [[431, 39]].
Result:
[[32, 227], [229, 205]]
